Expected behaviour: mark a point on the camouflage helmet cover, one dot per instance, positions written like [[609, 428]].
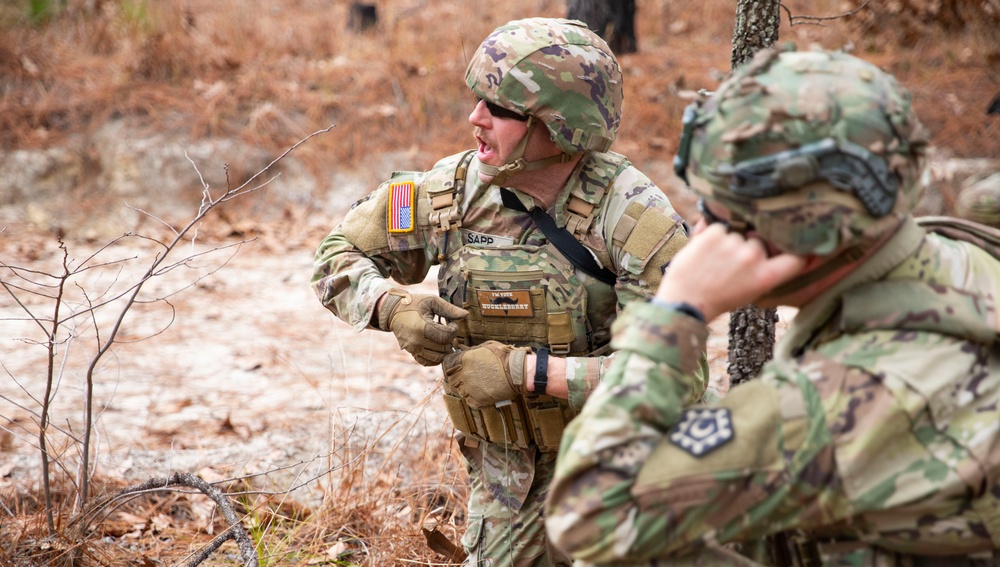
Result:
[[556, 70], [793, 108]]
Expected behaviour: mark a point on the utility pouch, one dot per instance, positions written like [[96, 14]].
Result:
[[533, 421], [460, 414], [505, 426], [547, 418]]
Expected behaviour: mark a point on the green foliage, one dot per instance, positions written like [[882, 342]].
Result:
[[135, 15], [132, 15], [41, 11]]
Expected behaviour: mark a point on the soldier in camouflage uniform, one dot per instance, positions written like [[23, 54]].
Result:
[[873, 436], [549, 95]]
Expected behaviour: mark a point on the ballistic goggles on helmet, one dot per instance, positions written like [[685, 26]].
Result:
[[846, 166]]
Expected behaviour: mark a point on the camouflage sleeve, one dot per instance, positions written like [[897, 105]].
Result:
[[642, 232], [639, 474], [352, 264], [348, 282], [583, 374]]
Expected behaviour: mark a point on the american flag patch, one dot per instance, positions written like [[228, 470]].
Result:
[[401, 207]]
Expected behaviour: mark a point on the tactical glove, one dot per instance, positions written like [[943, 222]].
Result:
[[411, 318], [486, 374]]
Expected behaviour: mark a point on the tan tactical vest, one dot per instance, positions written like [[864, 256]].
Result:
[[520, 295]]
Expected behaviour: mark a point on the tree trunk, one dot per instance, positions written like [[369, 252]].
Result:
[[613, 20], [756, 28], [751, 342], [362, 17], [751, 328]]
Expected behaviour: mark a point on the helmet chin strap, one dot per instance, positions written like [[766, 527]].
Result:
[[807, 279], [516, 162], [861, 248]]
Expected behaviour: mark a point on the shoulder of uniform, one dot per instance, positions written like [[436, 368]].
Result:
[[588, 190], [440, 189], [596, 174], [441, 177], [610, 157], [641, 222]]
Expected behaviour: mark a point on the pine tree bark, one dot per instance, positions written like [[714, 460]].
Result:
[[751, 328], [756, 28]]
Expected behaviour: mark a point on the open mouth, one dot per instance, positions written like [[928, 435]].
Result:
[[484, 152]]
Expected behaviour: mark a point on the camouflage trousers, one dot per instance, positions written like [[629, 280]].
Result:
[[506, 525]]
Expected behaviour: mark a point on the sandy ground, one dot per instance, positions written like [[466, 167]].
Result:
[[243, 371]]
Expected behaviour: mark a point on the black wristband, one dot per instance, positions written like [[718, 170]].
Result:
[[541, 370], [680, 306]]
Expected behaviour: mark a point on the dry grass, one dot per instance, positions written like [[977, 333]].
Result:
[[271, 71], [378, 495]]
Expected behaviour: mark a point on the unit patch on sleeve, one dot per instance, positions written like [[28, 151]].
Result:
[[401, 196], [702, 431]]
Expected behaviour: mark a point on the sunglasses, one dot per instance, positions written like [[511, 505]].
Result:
[[498, 111]]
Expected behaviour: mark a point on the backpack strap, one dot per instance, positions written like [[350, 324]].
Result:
[[587, 194], [562, 239], [446, 213], [983, 236]]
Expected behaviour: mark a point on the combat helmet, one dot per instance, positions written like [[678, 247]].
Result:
[[557, 72], [818, 152]]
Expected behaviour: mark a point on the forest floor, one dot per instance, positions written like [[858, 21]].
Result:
[[333, 444], [243, 376]]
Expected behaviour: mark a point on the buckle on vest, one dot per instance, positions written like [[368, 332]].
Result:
[[444, 214], [561, 350]]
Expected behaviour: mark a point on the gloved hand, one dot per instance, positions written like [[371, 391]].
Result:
[[411, 318], [486, 374]]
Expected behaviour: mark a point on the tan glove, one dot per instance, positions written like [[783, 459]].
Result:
[[486, 374], [411, 318]]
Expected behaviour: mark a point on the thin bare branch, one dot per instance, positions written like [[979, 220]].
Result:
[[173, 317], [19, 272], [154, 217], [52, 333], [65, 322], [235, 531], [794, 20], [19, 405], [38, 320], [104, 247], [283, 154], [186, 261], [148, 276], [226, 535], [263, 184]]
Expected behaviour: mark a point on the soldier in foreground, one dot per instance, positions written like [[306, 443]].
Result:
[[873, 437], [542, 235]]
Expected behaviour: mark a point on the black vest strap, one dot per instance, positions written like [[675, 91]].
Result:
[[561, 238]]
